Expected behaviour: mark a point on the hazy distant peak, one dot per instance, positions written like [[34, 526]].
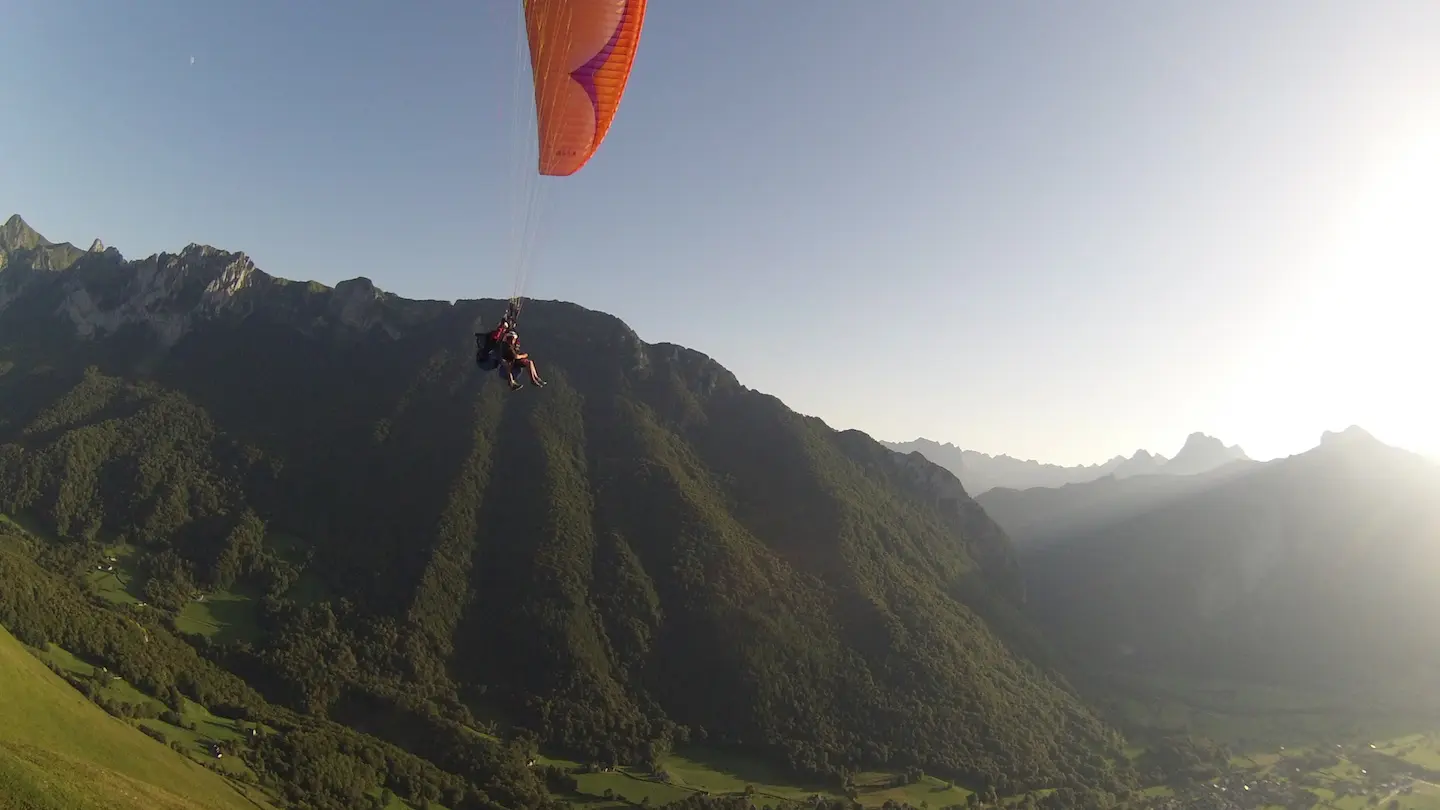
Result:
[[1351, 435], [97, 246], [1203, 453], [924, 442], [1198, 441], [1354, 440]]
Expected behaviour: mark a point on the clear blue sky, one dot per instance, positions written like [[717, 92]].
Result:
[[1057, 230]]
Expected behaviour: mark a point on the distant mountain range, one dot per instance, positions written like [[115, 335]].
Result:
[[1035, 517], [1316, 567], [979, 472]]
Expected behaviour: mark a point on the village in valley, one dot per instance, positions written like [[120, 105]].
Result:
[[1402, 774]]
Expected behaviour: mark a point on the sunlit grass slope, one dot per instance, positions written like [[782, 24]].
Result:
[[59, 751]]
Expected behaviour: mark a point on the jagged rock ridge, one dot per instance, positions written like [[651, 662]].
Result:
[[101, 293]]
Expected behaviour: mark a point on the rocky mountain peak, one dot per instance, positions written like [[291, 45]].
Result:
[[356, 303], [1203, 453], [16, 234], [167, 291], [1353, 435]]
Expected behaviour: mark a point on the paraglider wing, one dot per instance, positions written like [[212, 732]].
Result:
[[581, 52]]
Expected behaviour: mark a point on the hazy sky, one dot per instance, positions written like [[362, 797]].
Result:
[[1056, 230]]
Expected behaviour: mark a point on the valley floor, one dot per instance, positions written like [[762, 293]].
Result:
[[711, 773], [1306, 777], [1290, 747]]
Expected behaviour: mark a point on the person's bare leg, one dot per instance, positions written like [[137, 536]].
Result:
[[535, 374], [507, 373]]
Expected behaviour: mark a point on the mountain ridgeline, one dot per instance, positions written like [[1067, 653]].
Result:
[[981, 472], [644, 553], [1038, 516]]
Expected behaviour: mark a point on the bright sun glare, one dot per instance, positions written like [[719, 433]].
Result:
[[1362, 344], [1387, 291]]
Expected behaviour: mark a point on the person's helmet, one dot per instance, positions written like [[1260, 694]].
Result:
[[510, 336]]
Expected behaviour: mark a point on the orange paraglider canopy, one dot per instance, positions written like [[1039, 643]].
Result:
[[581, 52]]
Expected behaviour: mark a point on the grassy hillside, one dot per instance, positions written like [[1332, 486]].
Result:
[[123, 657], [59, 751]]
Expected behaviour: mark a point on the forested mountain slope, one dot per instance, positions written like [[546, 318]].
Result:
[[643, 552]]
